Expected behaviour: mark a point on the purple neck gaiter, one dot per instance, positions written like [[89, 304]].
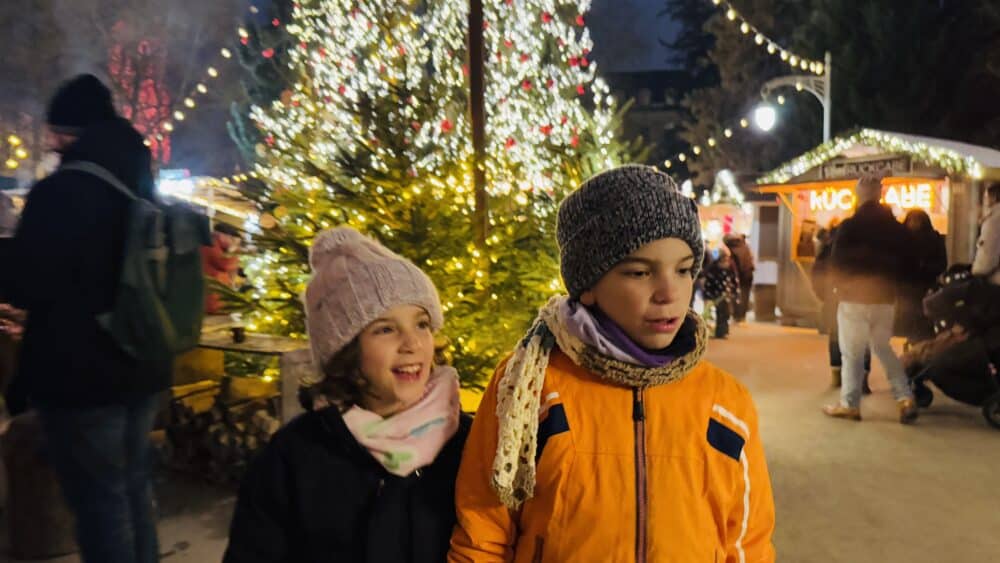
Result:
[[610, 330]]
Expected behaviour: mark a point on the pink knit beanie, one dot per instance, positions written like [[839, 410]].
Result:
[[355, 280]]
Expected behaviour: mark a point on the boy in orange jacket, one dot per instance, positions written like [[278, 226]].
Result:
[[605, 436]]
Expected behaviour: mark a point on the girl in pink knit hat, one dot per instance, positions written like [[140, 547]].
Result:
[[367, 475]]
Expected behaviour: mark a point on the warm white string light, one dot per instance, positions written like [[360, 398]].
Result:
[[794, 60]]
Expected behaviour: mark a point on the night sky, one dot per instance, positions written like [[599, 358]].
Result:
[[626, 34]]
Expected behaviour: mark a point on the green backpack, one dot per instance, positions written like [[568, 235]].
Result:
[[160, 299]]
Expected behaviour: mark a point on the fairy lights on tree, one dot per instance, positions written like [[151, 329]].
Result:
[[375, 133]]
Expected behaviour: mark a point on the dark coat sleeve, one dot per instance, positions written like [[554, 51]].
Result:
[[43, 247], [260, 531]]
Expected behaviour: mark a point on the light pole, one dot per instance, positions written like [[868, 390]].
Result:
[[818, 86]]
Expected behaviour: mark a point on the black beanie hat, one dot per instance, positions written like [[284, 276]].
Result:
[[79, 103]]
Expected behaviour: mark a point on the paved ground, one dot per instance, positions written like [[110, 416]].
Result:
[[846, 492]]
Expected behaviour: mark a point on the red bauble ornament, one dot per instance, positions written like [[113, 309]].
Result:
[[322, 52], [401, 50], [546, 130], [486, 25], [341, 89], [244, 40], [574, 140], [267, 53], [510, 143], [269, 140], [465, 70], [563, 120], [275, 22], [416, 125], [580, 90], [525, 57], [573, 61], [550, 83], [546, 17], [526, 85], [446, 126], [560, 42], [584, 62], [508, 43], [579, 20], [303, 45]]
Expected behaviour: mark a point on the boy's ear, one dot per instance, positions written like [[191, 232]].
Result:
[[587, 298]]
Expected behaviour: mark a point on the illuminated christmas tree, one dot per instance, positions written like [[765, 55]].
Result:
[[375, 133]]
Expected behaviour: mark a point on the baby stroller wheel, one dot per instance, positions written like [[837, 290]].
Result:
[[991, 411], [923, 395]]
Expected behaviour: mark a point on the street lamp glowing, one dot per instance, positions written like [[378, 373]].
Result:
[[764, 117]]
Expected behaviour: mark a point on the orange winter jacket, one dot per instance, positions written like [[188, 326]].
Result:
[[673, 473]]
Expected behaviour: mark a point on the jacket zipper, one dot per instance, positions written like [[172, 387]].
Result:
[[641, 496]]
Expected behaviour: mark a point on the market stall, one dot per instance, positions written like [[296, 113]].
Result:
[[816, 190]]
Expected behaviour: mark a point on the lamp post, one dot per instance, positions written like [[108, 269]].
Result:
[[818, 86]]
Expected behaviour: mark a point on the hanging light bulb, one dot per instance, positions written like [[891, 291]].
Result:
[[728, 132], [745, 28], [731, 14], [759, 39]]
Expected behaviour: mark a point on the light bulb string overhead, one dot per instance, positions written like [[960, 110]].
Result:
[[773, 47], [710, 143], [210, 73]]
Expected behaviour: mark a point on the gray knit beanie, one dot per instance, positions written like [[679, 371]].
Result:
[[615, 213], [355, 280]]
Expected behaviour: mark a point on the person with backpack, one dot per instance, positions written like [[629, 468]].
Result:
[[367, 474], [606, 436], [89, 362]]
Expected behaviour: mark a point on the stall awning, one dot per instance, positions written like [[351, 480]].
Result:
[[954, 157]]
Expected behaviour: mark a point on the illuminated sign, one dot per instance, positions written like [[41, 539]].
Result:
[[902, 196]]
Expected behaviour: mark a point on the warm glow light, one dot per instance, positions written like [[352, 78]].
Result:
[[765, 117]]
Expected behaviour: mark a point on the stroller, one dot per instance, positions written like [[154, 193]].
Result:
[[962, 360]]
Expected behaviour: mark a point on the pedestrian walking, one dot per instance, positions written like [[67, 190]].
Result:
[[722, 289], [96, 401], [823, 287], [369, 473], [987, 258], [869, 255], [743, 265], [585, 442], [928, 260]]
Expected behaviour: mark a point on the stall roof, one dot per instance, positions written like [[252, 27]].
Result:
[[210, 193], [952, 156]]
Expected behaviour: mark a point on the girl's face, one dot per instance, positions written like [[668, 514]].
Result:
[[648, 293], [397, 355]]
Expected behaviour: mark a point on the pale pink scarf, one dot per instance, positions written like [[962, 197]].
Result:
[[411, 439]]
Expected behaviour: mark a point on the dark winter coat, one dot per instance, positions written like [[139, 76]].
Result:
[[743, 263], [870, 252], [66, 258], [928, 260], [720, 283], [315, 495]]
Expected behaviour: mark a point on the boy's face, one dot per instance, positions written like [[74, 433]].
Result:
[[648, 293]]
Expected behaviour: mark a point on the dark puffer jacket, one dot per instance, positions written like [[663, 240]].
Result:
[[870, 252], [68, 253], [315, 495]]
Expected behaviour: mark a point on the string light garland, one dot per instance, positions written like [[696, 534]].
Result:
[[210, 73], [709, 143], [794, 60], [948, 159], [375, 133], [16, 152]]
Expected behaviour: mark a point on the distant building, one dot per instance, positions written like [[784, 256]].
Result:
[[656, 113]]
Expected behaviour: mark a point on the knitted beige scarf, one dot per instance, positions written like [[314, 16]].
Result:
[[520, 387]]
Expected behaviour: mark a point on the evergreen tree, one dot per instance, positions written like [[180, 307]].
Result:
[[264, 54], [375, 134], [742, 67], [916, 67]]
